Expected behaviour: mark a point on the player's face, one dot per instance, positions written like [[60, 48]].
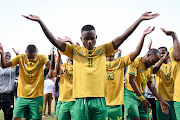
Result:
[[89, 39], [151, 60], [31, 56], [163, 52], [7, 56]]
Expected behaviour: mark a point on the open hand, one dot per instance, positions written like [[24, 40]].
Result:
[[164, 107], [169, 33], [148, 16], [32, 17], [148, 30]]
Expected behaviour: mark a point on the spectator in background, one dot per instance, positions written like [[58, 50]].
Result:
[[7, 80]]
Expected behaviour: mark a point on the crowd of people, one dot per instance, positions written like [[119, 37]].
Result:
[[93, 84]]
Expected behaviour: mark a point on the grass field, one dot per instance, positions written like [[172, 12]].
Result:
[[47, 118]]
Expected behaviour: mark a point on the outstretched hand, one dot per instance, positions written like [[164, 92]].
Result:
[[164, 107], [148, 30], [1, 48], [32, 17], [148, 16], [170, 33], [66, 39]]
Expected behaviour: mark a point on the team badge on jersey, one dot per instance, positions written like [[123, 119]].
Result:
[[81, 53]]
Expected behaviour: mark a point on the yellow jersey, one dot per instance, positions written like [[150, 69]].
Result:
[[115, 80], [89, 69], [31, 75], [176, 76], [66, 83], [165, 82], [143, 75]]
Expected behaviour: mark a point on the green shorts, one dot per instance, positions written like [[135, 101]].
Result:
[[115, 112], [162, 116], [66, 111], [177, 109], [30, 108], [58, 107], [133, 106], [90, 109]]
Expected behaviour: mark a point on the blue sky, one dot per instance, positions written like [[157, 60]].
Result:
[[66, 18]]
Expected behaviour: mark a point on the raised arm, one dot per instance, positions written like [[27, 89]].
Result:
[[135, 87], [15, 51], [120, 39], [4, 64], [164, 105], [158, 65], [59, 44], [134, 54], [58, 66], [176, 44], [150, 44]]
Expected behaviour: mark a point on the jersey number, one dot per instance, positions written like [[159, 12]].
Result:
[[90, 62]]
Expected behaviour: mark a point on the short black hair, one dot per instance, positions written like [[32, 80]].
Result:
[[153, 51], [31, 49], [87, 28], [7, 53], [163, 48]]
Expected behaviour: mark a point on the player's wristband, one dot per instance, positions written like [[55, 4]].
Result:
[[142, 98], [58, 75]]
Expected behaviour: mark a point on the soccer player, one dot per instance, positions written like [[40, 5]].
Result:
[[115, 80], [174, 53], [64, 108], [30, 84], [139, 74], [89, 67], [165, 84]]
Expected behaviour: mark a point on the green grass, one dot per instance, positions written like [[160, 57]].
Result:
[[48, 118]]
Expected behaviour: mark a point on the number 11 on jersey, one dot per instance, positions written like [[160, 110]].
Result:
[[90, 62]]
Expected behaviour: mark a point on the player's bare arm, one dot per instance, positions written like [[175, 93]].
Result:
[[164, 105], [120, 39], [58, 66], [15, 51], [51, 73], [158, 65], [135, 87], [4, 64], [150, 44], [134, 54], [176, 44], [59, 44]]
